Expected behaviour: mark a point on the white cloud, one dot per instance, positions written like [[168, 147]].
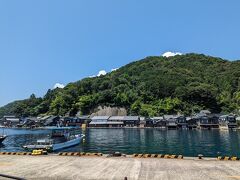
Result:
[[170, 54], [114, 69], [59, 85], [102, 73]]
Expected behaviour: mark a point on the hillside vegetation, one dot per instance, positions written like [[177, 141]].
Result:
[[150, 87]]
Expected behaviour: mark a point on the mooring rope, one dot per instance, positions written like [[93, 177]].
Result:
[[11, 177]]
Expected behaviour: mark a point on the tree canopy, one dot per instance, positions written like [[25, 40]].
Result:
[[150, 87]]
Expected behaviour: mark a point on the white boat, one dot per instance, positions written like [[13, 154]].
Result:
[[49, 145]]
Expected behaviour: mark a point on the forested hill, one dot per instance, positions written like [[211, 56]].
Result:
[[149, 87]]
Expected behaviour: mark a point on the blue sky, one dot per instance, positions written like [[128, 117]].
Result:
[[46, 42]]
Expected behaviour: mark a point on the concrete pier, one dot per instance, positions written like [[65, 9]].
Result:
[[55, 167]]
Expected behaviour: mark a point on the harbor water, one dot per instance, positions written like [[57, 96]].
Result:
[[210, 143]]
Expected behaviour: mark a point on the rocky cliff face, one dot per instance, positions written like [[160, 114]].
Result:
[[108, 111]]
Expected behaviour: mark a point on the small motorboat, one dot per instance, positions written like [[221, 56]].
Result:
[[2, 138], [57, 132], [50, 145]]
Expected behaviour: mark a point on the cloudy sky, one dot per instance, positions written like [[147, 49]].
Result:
[[46, 44]]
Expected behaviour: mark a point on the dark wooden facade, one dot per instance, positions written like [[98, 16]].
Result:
[[208, 122]]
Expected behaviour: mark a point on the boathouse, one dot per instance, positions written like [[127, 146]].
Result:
[[76, 121], [228, 121], [159, 122], [208, 121], [106, 121], [192, 122], [171, 121], [99, 121], [148, 122], [181, 122], [10, 121], [50, 120], [116, 121], [31, 122], [131, 121]]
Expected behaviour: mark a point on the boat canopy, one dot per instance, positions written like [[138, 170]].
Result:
[[59, 128], [44, 141]]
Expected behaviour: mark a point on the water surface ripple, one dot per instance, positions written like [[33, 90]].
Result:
[[154, 141]]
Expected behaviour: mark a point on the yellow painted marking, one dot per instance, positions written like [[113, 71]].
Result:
[[5, 164], [234, 177]]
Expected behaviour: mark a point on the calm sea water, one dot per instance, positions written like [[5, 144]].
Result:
[[186, 142]]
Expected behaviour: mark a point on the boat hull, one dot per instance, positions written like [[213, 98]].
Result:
[[67, 144], [2, 138], [57, 146], [36, 147]]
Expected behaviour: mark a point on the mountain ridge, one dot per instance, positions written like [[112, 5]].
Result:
[[152, 86]]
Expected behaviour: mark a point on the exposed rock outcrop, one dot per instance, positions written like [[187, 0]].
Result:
[[109, 111]]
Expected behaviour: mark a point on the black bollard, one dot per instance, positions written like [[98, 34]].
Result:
[[200, 156]]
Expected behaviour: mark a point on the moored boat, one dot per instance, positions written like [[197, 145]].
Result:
[[57, 132], [50, 145], [2, 138]]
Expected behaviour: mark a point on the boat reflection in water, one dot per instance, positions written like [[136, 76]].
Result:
[[61, 138]]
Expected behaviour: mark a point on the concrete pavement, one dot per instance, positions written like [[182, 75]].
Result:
[[55, 167]]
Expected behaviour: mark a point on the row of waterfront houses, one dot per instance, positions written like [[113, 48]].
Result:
[[203, 120], [12, 121]]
